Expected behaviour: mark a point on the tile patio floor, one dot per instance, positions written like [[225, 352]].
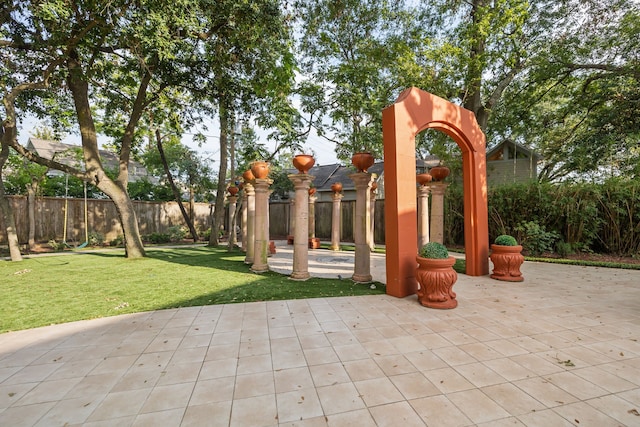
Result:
[[560, 349]]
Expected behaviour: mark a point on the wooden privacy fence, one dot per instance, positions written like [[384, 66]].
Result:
[[157, 217], [153, 217]]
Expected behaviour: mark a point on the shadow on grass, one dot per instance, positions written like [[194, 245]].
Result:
[[268, 286]]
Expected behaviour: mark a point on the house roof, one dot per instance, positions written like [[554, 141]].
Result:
[[70, 154], [327, 175], [518, 147]]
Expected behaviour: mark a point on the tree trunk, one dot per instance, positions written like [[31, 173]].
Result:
[[31, 211], [7, 210], [174, 189], [473, 96], [117, 191], [218, 213]]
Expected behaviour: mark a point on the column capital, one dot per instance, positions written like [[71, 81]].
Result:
[[301, 180], [423, 190], [249, 189], [362, 179], [262, 184], [438, 187], [312, 199], [233, 200], [337, 196]]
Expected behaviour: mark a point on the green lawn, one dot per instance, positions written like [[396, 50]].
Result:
[[56, 289]]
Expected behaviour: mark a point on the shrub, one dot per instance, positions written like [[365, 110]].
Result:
[[96, 239], [563, 248], [118, 241], [434, 250], [56, 246], [157, 238], [535, 239], [506, 240], [176, 233]]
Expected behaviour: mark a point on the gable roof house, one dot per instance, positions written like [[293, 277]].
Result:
[[70, 154], [509, 162]]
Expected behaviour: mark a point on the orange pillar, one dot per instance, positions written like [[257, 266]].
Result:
[[414, 111]]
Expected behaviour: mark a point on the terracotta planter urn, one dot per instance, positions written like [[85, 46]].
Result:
[[336, 187], [423, 178], [506, 262], [439, 173], [436, 278], [260, 169], [312, 191], [303, 162], [233, 190], [248, 176], [362, 161]]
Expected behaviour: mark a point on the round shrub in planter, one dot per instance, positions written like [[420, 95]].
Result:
[[436, 276], [507, 258]]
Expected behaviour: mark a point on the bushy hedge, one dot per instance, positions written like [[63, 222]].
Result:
[[603, 218]]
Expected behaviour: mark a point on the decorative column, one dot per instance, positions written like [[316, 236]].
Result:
[[362, 268], [335, 216], [301, 183], [438, 173], [314, 243], [292, 220], [244, 218], [372, 216], [261, 245], [437, 211], [423, 215], [251, 222]]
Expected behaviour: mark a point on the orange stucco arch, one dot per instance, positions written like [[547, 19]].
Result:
[[414, 111]]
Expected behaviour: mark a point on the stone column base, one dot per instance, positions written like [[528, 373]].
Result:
[[301, 276]]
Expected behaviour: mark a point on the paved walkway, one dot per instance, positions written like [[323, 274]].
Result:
[[559, 349]]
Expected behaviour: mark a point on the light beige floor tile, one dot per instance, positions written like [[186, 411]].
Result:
[[617, 408], [604, 379], [33, 373], [254, 364], [577, 386], [180, 373], [425, 360], [120, 404], [320, 356], [168, 397], [582, 414], [10, 394], [448, 380], [93, 385], [453, 355], [396, 414], [288, 359], [69, 412], [292, 379], [282, 332], [367, 335], [439, 411], [189, 355], [512, 399], [365, 369], [506, 347], [433, 341], [24, 416], [298, 405], [252, 385], [79, 368], [509, 369], [215, 414], [351, 352], [340, 398], [458, 337], [212, 391], [545, 392], [254, 411], [313, 341], [394, 365], [358, 418], [148, 361], [414, 385], [283, 345], [479, 374], [378, 391], [48, 391], [221, 352], [255, 348], [167, 418], [547, 417], [380, 348], [309, 422], [329, 374], [632, 396], [538, 364], [477, 406], [505, 422]]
